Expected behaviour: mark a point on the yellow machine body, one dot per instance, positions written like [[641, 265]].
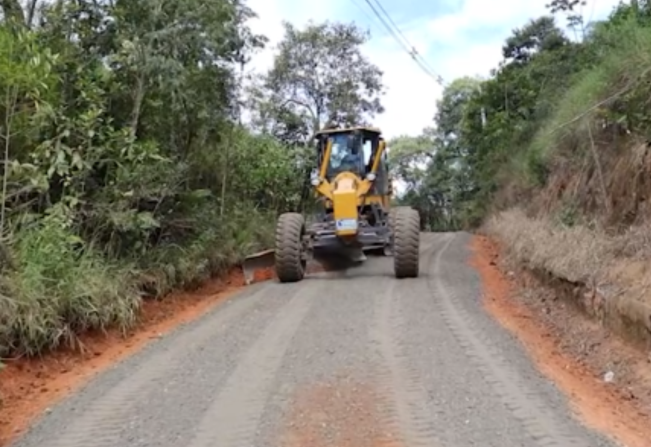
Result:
[[345, 202], [355, 194], [352, 187]]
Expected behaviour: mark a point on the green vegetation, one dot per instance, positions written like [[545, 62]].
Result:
[[126, 169], [561, 108]]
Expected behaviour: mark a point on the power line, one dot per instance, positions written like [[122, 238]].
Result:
[[405, 45], [414, 52], [404, 42], [364, 11]]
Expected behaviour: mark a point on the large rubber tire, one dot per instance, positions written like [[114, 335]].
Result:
[[290, 263], [406, 242], [393, 212]]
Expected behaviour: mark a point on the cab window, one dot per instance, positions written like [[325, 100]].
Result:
[[345, 155]]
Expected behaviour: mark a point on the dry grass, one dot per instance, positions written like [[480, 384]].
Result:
[[610, 275], [577, 253]]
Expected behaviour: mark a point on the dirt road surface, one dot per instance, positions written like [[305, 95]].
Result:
[[341, 359]]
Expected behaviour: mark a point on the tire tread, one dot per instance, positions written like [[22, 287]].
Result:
[[406, 254], [290, 266]]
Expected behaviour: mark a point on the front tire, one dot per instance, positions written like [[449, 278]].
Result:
[[290, 262], [406, 242], [393, 212]]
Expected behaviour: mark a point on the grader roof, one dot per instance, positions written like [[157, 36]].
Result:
[[348, 129]]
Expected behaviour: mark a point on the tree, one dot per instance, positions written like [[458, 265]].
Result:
[[436, 166], [480, 122], [574, 19], [408, 158], [320, 77], [450, 112], [12, 11], [538, 35]]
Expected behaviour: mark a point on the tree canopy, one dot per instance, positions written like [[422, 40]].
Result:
[[553, 102], [319, 78]]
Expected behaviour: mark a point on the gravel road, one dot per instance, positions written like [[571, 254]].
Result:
[[344, 359]]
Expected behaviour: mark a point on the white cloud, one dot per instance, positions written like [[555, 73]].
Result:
[[411, 92], [271, 14], [476, 14], [465, 42]]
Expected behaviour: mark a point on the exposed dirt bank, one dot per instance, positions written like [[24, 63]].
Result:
[[607, 382], [606, 275]]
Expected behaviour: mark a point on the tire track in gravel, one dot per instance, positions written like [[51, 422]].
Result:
[[525, 404], [101, 424], [233, 417], [402, 394]]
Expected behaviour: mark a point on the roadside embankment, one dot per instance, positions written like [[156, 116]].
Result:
[[607, 381], [605, 276], [31, 385]]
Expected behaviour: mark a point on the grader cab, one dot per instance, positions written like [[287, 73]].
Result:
[[352, 186]]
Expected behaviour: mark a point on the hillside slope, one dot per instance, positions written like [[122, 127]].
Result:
[[551, 156]]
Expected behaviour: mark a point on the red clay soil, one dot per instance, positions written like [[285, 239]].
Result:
[[607, 407], [340, 413], [28, 387]]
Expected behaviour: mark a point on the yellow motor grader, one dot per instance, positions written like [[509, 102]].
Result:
[[352, 185]]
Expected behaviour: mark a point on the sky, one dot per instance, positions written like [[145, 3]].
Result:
[[455, 37]]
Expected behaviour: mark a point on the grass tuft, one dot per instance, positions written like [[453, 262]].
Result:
[[59, 288]]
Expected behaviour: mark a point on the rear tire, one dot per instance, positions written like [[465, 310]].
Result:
[[406, 242], [290, 263]]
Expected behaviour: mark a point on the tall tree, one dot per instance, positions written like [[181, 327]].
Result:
[[450, 112], [408, 158], [12, 10], [320, 77]]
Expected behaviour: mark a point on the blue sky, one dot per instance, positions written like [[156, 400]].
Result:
[[455, 37]]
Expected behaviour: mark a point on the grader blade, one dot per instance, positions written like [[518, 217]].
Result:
[[261, 260], [338, 258], [327, 261], [355, 255]]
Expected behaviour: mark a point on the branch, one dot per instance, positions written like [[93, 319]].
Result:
[[11, 99], [302, 104], [31, 12]]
